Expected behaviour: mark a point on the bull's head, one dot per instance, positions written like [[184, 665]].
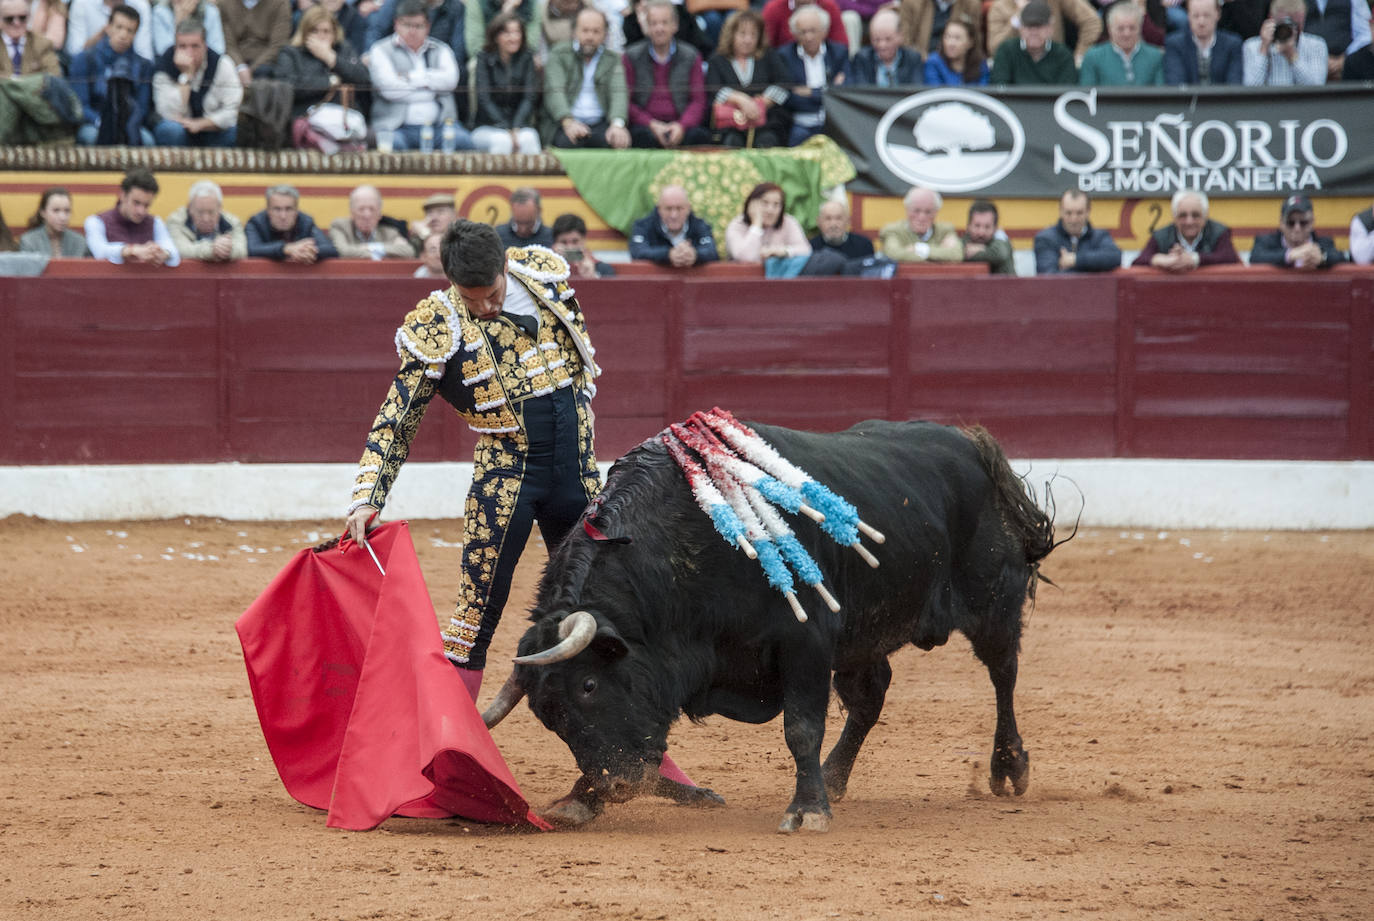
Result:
[[580, 676]]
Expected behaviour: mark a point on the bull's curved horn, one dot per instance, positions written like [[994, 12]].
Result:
[[575, 634], [504, 702]]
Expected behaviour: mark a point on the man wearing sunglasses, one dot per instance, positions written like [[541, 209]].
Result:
[[1294, 245], [24, 52]]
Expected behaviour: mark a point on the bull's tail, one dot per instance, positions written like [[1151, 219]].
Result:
[[1023, 517]]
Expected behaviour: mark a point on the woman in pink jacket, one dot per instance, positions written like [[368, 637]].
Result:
[[764, 229]]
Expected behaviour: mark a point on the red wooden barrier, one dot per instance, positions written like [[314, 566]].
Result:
[[226, 363]]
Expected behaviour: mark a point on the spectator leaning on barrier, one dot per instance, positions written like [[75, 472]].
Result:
[[507, 82], [1283, 54], [813, 64], [922, 21], [413, 78], [203, 231], [764, 230], [832, 220], [113, 80], [168, 14], [1202, 53], [984, 241], [1361, 237], [87, 19], [919, 237], [49, 232], [1295, 245], [362, 235], [1073, 244], [24, 52], [254, 34], [1006, 18], [1123, 60], [526, 224], [1343, 25], [672, 234], [883, 61], [281, 231], [196, 92], [1192, 240], [570, 242], [585, 95], [667, 89], [959, 58], [128, 232], [1033, 59]]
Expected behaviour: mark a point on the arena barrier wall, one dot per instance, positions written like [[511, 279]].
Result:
[[228, 370]]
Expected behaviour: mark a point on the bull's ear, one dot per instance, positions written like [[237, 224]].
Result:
[[608, 644]]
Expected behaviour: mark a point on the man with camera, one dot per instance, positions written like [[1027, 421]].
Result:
[[1283, 54]]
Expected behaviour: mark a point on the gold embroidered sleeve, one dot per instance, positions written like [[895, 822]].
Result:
[[388, 441]]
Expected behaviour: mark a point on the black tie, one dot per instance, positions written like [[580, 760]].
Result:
[[528, 323]]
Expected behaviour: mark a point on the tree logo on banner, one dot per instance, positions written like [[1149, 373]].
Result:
[[951, 140]]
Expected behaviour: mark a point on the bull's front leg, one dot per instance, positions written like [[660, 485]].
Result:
[[806, 692]]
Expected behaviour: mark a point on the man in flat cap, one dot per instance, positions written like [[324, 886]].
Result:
[[1033, 58], [440, 211]]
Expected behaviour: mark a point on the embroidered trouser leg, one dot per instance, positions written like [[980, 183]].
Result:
[[550, 482]]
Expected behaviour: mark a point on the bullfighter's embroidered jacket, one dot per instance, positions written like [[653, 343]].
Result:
[[485, 368]]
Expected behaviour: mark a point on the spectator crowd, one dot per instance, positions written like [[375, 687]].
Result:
[[520, 75], [763, 232]]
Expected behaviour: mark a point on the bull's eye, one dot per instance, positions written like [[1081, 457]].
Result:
[[588, 685]]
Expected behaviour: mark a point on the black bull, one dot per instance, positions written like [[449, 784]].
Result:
[[681, 622]]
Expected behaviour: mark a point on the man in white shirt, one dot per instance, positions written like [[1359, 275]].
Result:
[[128, 232], [1362, 237], [196, 92], [1283, 54], [413, 78]]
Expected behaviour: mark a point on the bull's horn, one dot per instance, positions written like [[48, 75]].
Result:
[[575, 634], [505, 701]]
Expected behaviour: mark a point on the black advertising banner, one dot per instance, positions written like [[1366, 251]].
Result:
[[1034, 143]]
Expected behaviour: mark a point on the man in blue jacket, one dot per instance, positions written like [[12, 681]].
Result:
[[671, 234], [1073, 245], [814, 64], [115, 85], [1202, 54], [282, 232], [883, 61]]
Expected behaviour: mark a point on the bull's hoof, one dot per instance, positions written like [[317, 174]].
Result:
[[1014, 771], [572, 810], [804, 821]]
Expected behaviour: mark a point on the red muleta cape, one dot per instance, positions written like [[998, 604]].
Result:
[[363, 715]]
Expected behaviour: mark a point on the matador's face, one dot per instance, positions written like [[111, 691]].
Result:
[[485, 301]]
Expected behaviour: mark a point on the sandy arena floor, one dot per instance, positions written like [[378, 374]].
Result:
[[1199, 708]]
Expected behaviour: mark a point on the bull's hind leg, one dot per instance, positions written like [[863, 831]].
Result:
[[862, 691], [997, 648]]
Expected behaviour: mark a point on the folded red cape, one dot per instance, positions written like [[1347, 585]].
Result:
[[362, 713]]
